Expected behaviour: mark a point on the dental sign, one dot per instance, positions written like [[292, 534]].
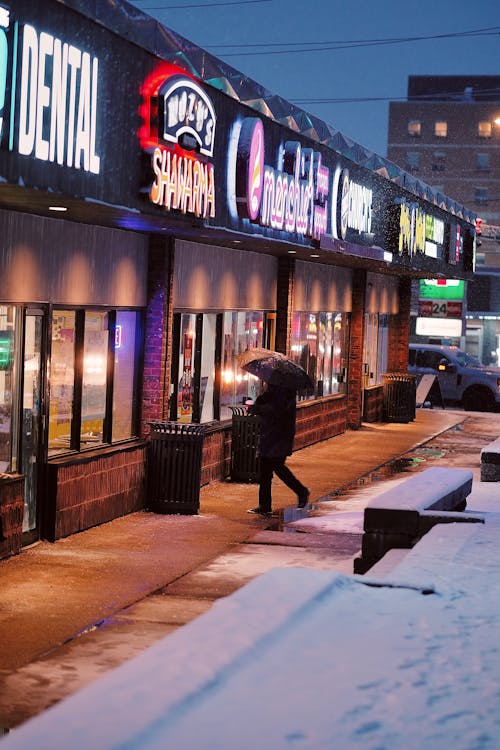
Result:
[[52, 110], [181, 143], [298, 195]]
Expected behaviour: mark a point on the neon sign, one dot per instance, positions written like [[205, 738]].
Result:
[[55, 118], [293, 197], [183, 183], [182, 129], [352, 206]]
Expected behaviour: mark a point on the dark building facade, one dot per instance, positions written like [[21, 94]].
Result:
[[160, 214]]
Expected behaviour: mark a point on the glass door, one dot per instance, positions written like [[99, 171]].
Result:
[[31, 430]]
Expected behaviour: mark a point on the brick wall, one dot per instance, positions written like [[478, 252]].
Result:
[[11, 514], [355, 373], [373, 406], [399, 330], [88, 490], [158, 327], [284, 304]]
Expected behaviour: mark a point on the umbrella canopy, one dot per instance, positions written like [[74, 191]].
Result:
[[275, 368]]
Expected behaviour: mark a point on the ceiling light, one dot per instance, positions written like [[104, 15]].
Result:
[[57, 208]]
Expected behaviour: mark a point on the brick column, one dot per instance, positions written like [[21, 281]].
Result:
[[284, 304], [158, 331], [355, 376], [399, 330]]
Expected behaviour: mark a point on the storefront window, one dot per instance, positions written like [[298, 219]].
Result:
[[376, 347], [92, 378], [207, 377], [241, 331], [62, 379], [95, 358], [185, 391], [207, 368], [9, 328], [124, 390], [320, 346]]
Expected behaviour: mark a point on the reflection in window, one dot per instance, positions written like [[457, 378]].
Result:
[[95, 358], [440, 129], [185, 391], [375, 347], [124, 391], [412, 160], [9, 327], [241, 331], [484, 129], [319, 345], [92, 378], [438, 161], [415, 128], [483, 162], [62, 379]]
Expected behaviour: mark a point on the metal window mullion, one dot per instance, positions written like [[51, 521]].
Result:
[[76, 424]]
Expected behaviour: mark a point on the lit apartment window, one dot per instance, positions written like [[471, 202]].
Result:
[[415, 128], [438, 161], [484, 129], [440, 129], [412, 161], [481, 196], [483, 162]]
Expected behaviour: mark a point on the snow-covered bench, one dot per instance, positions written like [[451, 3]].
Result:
[[490, 462], [401, 516]]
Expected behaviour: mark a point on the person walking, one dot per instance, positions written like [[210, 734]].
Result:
[[277, 410]]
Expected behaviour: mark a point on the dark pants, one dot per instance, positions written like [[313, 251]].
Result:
[[268, 466]]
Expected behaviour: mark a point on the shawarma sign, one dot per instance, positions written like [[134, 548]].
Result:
[[179, 132]]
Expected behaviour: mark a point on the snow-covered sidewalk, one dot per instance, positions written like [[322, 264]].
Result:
[[303, 658]]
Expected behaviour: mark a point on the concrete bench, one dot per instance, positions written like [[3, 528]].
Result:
[[401, 516], [490, 462]]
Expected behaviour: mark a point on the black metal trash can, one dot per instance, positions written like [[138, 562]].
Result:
[[174, 467], [400, 391], [245, 464]]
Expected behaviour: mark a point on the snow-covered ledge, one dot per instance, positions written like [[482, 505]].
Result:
[[401, 516]]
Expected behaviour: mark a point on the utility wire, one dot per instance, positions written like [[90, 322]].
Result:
[[202, 5], [487, 31], [335, 46]]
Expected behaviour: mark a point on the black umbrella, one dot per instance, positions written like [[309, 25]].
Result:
[[275, 368]]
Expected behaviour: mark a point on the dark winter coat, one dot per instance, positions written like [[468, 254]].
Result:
[[277, 410]]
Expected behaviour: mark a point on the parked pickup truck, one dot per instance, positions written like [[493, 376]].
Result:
[[462, 378]]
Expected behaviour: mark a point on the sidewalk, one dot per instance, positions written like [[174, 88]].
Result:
[[52, 592]]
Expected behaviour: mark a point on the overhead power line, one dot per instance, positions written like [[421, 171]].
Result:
[[293, 47], [203, 5], [442, 96]]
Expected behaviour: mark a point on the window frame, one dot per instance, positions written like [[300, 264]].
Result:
[[414, 128], [75, 445], [440, 128]]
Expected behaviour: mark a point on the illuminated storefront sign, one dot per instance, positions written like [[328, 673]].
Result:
[[293, 197], [441, 298], [54, 96], [351, 206], [180, 142]]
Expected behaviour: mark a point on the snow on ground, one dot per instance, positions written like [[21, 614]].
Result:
[[315, 659]]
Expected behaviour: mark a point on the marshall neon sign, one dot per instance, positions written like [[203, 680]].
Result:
[[181, 140], [297, 195], [293, 197]]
